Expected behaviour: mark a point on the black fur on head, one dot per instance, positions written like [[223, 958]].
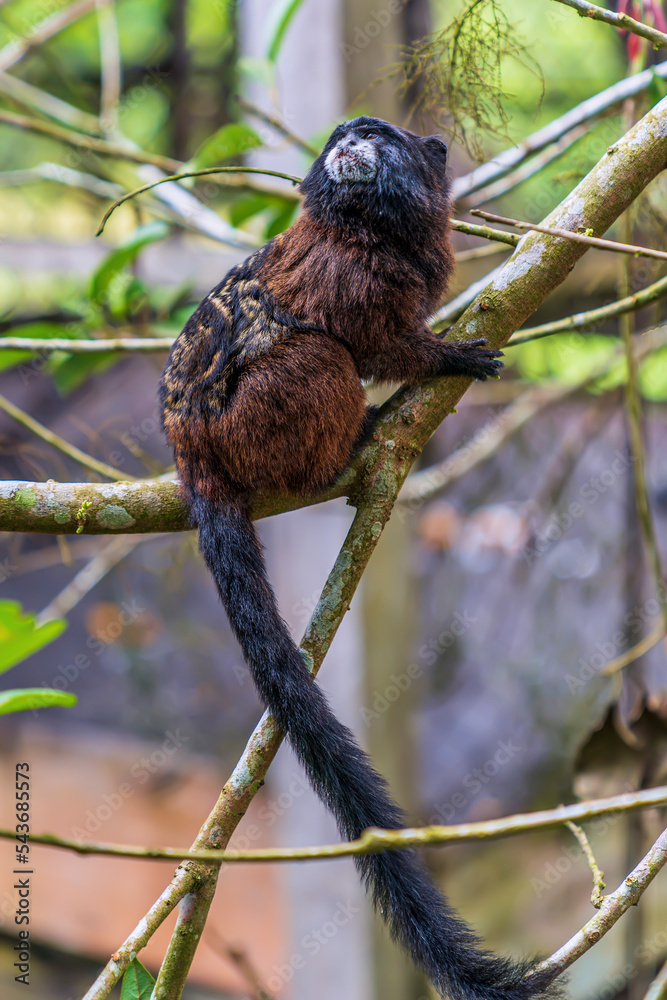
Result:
[[375, 176]]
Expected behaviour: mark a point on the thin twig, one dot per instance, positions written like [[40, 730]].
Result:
[[591, 108], [91, 574], [648, 642], [621, 21], [61, 175], [110, 64], [486, 233], [375, 841], [427, 483], [194, 173], [593, 316], [612, 909], [15, 50], [279, 126], [592, 241], [46, 344], [637, 447], [91, 143], [525, 171], [59, 443], [658, 988], [597, 895], [463, 256], [33, 97], [192, 214]]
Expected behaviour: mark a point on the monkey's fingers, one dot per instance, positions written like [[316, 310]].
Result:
[[480, 363]]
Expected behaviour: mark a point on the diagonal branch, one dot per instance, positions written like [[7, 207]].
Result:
[[629, 303], [621, 21], [658, 988], [57, 442], [488, 439], [15, 50], [589, 109], [612, 909]]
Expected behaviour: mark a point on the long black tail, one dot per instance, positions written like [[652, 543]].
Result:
[[341, 773]]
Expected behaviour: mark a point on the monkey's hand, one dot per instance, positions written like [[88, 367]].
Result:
[[470, 358]]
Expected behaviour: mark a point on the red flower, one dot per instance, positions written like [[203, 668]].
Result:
[[650, 12]]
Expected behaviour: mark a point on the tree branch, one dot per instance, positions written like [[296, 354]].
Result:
[[594, 106], [589, 318], [279, 126], [612, 909], [111, 66], [592, 241], [374, 841], [57, 442], [597, 895], [89, 142], [14, 51], [196, 173], [621, 21], [658, 988], [426, 483]]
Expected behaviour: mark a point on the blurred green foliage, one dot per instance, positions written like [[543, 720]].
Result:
[[181, 69], [20, 637]]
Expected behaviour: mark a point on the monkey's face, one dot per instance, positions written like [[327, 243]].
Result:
[[374, 175], [353, 158]]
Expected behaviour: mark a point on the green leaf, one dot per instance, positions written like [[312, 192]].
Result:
[[166, 298], [20, 636], [653, 377], [123, 255], [243, 208], [69, 371], [229, 141], [282, 220], [137, 982], [280, 22], [657, 88], [25, 699], [570, 357]]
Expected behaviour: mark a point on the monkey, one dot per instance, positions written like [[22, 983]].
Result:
[[263, 392]]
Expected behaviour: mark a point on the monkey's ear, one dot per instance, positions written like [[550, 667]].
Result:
[[436, 148]]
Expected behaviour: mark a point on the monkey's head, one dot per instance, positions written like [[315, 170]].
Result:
[[375, 176]]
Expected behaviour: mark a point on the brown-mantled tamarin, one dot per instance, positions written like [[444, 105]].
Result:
[[263, 392]]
